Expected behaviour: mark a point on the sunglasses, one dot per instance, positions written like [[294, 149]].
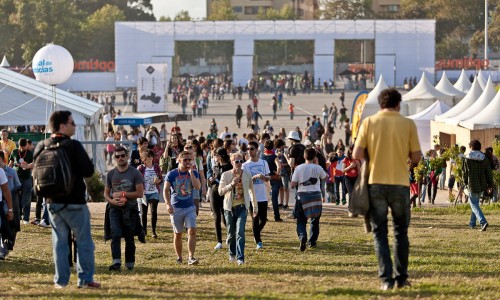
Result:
[[120, 156], [240, 161], [188, 147], [251, 149]]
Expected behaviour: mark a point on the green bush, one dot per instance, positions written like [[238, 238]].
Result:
[[95, 187]]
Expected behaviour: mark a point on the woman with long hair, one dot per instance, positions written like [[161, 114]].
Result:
[[350, 167], [152, 180]]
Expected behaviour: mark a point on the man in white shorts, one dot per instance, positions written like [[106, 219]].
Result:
[[178, 193]]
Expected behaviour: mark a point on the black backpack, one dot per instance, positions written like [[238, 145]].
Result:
[[52, 176]]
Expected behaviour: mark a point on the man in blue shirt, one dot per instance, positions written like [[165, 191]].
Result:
[[178, 194]]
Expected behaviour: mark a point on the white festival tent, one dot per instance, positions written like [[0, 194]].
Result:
[[26, 101], [482, 80], [5, 62], [463, 83], [423, 95], [371, 104], [423, 122], [489, 117], [485, 98], [445, 87], [469, 99]]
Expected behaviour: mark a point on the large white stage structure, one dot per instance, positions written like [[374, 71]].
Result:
[[403, 48]]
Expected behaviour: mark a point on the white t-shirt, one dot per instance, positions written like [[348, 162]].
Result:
[[242, 141], [307, 176], [3, 180], [254, 168], [149, 181]]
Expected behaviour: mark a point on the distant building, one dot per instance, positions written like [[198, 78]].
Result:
[[248, 9], [386, 7]]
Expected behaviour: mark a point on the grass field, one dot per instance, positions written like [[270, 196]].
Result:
[[447, 261]]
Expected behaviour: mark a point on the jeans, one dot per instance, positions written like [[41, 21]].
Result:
[[340, 180], [259, 221], [275, 192], [236, 220], [238, 122], [301, 225], [75, 218], [477, 213], [217, 206], [122, 221], [349, 183], [26, 186], [398, 199]]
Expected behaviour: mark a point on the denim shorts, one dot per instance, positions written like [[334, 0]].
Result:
[[152, 197], [183, 218], [285, 180]]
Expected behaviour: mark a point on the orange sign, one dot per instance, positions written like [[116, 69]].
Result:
[[463, 63], [94, 66]]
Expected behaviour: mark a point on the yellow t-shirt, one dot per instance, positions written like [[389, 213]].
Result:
[[389, 138]]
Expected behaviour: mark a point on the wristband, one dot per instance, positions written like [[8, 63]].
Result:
[[123, 194], [10, 209]]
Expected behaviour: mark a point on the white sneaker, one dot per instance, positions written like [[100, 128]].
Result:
[[25, 222], [259, 245], [240, 262], [43, 224], [232, 258], [218, 246]]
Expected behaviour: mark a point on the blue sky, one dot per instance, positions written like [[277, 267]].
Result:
[[169, 8]]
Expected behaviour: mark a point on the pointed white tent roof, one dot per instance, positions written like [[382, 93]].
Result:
[[445, 87], [485, 98], [4, 63], [437, 108], [482, 81], [371, 104], [469, 99], [463, 83], [424, 90], [489, 117]]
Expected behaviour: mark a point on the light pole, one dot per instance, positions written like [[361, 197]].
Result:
[[485, 29]]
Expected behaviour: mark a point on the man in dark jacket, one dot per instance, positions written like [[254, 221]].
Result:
[[239, 115], [70, 213], [478, 178]]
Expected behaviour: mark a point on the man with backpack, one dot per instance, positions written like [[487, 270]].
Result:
[[68, 209]]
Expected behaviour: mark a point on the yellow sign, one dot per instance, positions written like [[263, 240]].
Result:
[[357, 111]]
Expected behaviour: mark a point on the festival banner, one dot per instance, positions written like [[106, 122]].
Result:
[[357, 111], [151, 87]]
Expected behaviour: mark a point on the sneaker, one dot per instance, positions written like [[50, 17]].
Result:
[[278, 220], [303, 246], [386, 286], [285, 206], [35, 222], [90, 285], [240, 262], [484, 226], [232, 258], [291, 216], [58, 286], [404, 284], [43, 224], [25, 222], [259, 245], [115, 267], [280, 205], [312, 246], [155, 235], [344, 201], [218, 246], [179, 260], [192, 261]]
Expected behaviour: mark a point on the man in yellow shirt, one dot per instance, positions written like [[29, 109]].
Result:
[[6, 145], [389, 140]]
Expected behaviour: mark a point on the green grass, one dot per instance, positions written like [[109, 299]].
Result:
[[447, 261]]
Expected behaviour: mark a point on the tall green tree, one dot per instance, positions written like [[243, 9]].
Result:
[[7, 46], [285, 13], [183, 15], [99, 32], [134, 10], [221, 10], [347, 9]]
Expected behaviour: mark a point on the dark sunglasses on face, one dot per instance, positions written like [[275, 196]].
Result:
[[120, 156], [240, 161], [251, 149], [188, 147]]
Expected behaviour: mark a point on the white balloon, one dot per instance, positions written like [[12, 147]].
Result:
[[53, 64]]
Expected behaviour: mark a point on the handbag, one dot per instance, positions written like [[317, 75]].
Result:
[[359, 202]]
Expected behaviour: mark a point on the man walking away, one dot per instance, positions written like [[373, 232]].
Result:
[[478, 177], [389, 140], [70, 213], [307, 179]]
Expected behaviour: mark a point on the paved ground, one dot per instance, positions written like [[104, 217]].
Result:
[[223, 111]]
